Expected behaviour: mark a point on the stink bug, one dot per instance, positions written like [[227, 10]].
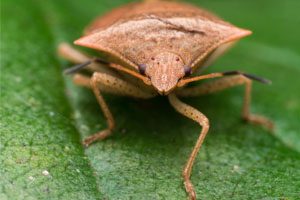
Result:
[[156, 48]]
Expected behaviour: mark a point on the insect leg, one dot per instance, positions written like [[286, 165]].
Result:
[[73, 55], [197, 116], [69, 53], [224, 83], [94, 64], [109, 118], [82, 80], [113, 85], [108, 83]]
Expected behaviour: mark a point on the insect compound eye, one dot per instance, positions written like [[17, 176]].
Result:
[[142, 69], [187, 70]]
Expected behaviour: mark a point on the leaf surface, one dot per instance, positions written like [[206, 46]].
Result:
[[44, 116]]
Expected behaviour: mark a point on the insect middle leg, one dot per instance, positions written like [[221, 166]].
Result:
[[200, 118], [224, 83], [108, 84]]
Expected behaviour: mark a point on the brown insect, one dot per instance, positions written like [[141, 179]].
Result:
[[156, 48]]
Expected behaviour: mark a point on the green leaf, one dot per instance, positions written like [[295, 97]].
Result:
[[44, 116]]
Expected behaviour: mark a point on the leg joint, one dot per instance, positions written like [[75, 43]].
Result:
[[203, 121], [94, 77]]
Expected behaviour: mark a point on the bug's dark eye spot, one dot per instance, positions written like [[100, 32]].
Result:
[[177, 59], [187, 70], [152, 58], [142, 69]]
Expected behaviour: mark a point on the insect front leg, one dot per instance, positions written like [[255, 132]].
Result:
[[228, 82], [71, 54], [101, 82], [109, 118], [93, 65], [200, 118]]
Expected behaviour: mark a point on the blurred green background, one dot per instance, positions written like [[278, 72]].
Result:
[[44, 116]]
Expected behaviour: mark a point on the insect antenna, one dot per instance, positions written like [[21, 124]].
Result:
[[80, 66], [76, 68], [250, 76]]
